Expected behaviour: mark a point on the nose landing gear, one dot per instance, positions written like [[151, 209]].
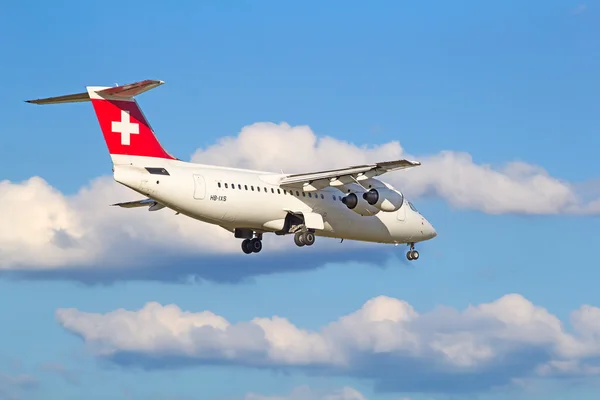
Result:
[[412, 254]]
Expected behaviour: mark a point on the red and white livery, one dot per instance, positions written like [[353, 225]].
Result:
[[346, 203]]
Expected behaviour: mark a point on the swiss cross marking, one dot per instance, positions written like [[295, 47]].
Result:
[[126, 128]]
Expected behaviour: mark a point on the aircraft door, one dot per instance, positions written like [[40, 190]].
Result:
[[401, 213], [199, 187]]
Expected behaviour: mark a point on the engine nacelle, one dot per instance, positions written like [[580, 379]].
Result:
[[384, 199], [356, 203]]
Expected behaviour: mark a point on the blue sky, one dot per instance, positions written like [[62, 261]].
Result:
[[503, 82]]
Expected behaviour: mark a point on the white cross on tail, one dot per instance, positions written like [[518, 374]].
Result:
[[126, 128]]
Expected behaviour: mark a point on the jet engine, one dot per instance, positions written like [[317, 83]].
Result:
[[357, 204], [384, 199]]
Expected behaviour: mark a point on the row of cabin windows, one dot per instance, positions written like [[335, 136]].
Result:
[[279, 191]]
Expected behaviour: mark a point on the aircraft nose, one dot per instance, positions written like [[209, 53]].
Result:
[[428, 229]]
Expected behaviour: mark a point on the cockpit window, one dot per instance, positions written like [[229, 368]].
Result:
[[412, 207]]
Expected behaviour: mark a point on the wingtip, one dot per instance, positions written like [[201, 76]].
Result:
[[36, 102]]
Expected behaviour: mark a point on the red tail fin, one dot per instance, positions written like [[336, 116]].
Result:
[[124, 126]]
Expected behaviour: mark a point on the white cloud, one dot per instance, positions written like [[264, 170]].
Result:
[[44, 229], [518, 187], [306, 393], [386, 340], [45, 233]]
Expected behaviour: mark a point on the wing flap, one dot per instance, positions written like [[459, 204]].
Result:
[[296, 178]]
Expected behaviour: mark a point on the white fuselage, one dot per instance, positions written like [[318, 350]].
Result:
[[238, 198]]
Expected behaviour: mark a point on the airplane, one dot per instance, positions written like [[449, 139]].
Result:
[[345, 203]]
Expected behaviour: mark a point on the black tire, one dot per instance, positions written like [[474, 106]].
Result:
[[414, 255], [246, 246], [409, 255], [308, 238], [299, 239], [256, 245]]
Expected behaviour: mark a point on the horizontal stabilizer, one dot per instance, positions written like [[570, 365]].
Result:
[[123, 92], [130, 90], [151, 204], [69, 98]]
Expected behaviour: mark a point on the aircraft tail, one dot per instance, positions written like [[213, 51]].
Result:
[[126, 130]]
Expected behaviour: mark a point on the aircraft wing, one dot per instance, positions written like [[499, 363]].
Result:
[[338, 177], [151, 204]]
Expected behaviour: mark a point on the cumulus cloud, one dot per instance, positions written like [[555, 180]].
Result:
[[47, 234], [517, 187], [386, 340], [306, 393], [44, 231]]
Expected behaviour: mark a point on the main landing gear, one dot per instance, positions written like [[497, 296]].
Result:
[[412, 254], [304, 238], [252, 245]]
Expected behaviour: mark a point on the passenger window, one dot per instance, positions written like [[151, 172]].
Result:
[[322, 196], [310, 195], [233, 185], [297, 193], [265, 190], [226, 186], [278, 191], [239, 186], [219, 184], [272, 190], [246, 187], [252, 188]]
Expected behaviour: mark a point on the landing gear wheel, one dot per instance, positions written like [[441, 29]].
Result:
[[246, 246], [299, 239], [412, 255], [308, 238], [255, 245]]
